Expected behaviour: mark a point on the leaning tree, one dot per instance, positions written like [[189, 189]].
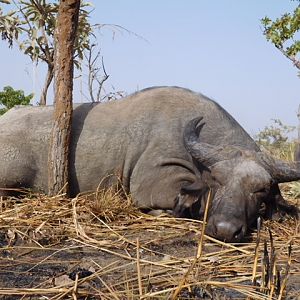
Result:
[[283, 34]]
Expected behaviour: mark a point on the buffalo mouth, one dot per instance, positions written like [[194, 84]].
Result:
[[232, 231]]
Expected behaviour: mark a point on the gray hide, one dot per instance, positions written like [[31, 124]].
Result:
[[139, 139]]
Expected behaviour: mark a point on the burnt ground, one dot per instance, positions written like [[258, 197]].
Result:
[[138, 257], [27, 266]]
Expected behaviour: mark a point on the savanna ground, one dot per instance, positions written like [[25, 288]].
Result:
[[98, 246]]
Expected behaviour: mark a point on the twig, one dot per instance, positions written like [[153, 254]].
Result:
[[200, 245], [199, 250], [112, 293], [138, 267], [256, 251], [287, 270], [75, 287]]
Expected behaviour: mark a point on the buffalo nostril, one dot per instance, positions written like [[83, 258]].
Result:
[[228, 231]]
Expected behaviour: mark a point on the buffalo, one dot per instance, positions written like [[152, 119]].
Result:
[[169, 146]]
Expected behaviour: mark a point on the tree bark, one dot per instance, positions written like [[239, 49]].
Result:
[[58, 159], [297, 150], [48, 80]]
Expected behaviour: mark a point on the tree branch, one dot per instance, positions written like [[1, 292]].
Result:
[[93, 74], [292, 58]]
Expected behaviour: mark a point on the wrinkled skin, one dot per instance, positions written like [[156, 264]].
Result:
[[241, 182], [248, 181], [168, 146]]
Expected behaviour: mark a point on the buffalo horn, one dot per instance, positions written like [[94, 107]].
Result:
[[281, 171], [206, 154]]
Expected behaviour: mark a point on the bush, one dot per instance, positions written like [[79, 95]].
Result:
[[274, 138], [10, 98]]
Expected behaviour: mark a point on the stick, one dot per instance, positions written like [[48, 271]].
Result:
[[138, 266], [199, 250]]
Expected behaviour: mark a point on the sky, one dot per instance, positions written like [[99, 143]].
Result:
[[213, 47]]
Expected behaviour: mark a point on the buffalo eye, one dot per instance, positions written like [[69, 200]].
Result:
[[261, 192]]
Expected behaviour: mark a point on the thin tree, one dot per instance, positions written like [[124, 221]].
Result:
[[65, 33], [31, 25], [283, 34]]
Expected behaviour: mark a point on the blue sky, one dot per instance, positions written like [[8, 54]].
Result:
[[213, 47]]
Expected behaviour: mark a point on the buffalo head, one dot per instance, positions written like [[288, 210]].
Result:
[[241, 182]]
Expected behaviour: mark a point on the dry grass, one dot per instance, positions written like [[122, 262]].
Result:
[[286, 152], [130, 255]]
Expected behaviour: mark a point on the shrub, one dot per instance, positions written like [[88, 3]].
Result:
[[10, 98], [275, 139]]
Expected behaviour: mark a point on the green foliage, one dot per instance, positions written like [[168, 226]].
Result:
[[10, 98], [274, 134], [275, 139], [31, 25], [283, 34]]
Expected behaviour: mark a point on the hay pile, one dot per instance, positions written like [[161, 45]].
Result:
[[99, 246]]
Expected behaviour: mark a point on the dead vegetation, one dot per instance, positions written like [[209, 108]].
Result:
[[98, 246]]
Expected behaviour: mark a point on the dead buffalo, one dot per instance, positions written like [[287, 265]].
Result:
[[168, 145]]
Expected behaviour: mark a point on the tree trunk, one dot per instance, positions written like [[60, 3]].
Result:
[[65, 33], [297, 150], [49, 78]]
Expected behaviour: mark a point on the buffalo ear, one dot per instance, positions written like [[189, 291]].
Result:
[[277, 206], [188, 201]]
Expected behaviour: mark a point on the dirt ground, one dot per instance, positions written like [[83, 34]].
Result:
[[63, 256]]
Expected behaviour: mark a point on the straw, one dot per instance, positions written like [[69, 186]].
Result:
[[136, 256]]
